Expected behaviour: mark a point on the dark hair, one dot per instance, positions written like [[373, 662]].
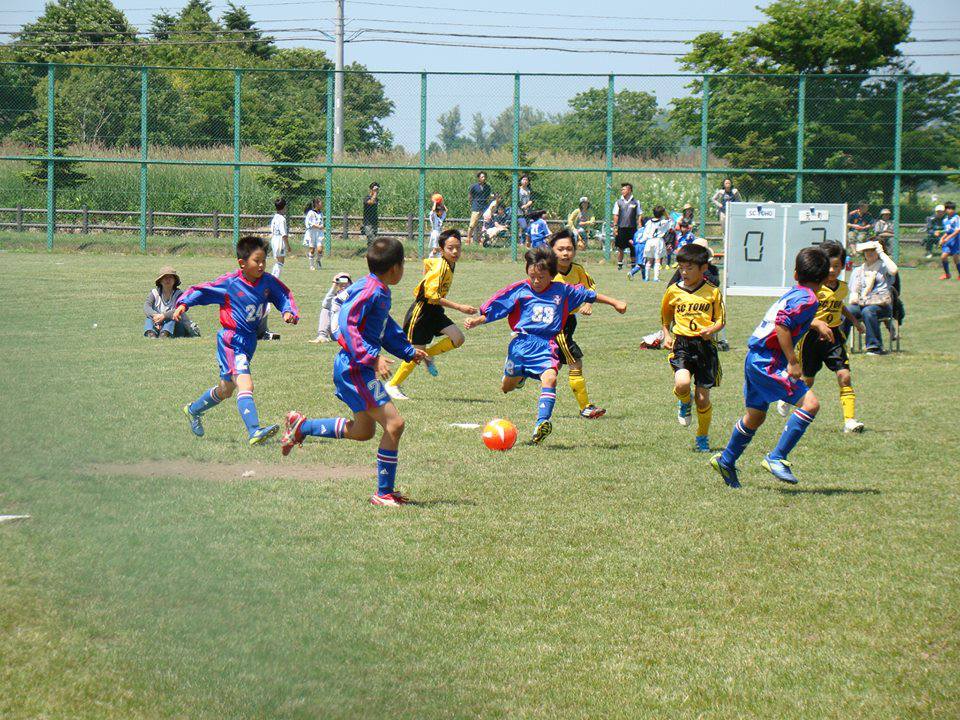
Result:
[[447, 234], [862, 203], [623, 185], [658, 211], [684, 223], [247, 245], [524, 176], [560, 235], [949, 205], [833, 249], [374, 184], [279, 204], [813, 265], [308, 208], [481, 172], [541, 257], [692, 253], [383, 254]]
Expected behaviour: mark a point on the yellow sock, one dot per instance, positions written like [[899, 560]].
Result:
[[848, 401], [682, 398], [704, 416], [579, 387], [402, 373], [441, 346]]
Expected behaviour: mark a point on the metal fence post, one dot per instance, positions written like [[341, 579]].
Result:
[[897, 165], [704, 151], [801, 113], [515, 175], [608, 177], [51, 188], [144, 81], [237, 79], [328, 190], [422, 181]]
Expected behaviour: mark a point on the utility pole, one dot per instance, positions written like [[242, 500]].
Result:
[[338, 86]]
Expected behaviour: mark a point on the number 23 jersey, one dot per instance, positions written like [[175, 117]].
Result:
[[242, 303], [540, 314]]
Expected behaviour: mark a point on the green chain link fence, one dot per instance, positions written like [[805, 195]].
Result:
[[179, 151]]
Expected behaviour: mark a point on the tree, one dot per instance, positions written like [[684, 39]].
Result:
[[295, 144], [162, 25], [479, 137], [67, 24], [501, 127], [34, 133], [237, 23], [450, 129]]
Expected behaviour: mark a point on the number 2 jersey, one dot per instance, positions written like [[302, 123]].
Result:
[[242, 303]]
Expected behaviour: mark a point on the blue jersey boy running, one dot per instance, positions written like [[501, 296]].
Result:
[[765, 369], [364, 327], [951, 225]]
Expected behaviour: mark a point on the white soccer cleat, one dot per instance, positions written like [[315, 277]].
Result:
[[394, 392], [784, 408], [853, 426]]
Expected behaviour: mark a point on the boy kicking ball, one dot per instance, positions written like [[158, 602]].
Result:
[[693, 306], [831, 350], [242, 296], [364, 329], [772, 372], [538, 308]]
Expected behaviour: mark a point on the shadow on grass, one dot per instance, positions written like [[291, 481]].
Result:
[[440, 503], [823, 491]]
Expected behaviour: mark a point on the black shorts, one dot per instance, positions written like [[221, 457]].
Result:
[[624, 238], [700, 357], [815, 353], [424, 322], [570, 352]]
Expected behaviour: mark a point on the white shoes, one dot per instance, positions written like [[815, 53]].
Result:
[[853, 426], [395, 392], [784, 408]]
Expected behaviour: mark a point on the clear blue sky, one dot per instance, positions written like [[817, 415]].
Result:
[[545, 18]]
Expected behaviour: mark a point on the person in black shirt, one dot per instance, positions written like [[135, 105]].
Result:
[[370, 217]]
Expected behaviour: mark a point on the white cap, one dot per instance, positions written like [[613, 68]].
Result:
[[869, 245], [584, 199], [886, 211], [939, 208]]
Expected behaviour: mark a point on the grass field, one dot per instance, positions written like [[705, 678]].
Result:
[[607, 573]]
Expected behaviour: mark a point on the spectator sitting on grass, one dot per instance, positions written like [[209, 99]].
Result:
[[159, 306]]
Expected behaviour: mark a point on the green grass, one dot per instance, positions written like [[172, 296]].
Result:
[[605, 574]]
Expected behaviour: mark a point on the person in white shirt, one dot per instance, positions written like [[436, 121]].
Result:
[[330, 307], [438, 215], [653, 231], [313, 232], [279, 242]]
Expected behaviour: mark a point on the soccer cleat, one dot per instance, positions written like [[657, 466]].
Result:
[[196, 423], [780, 469], [944, 277], [431, 366], [727, 472], [400, 497], [702, 443], [592, 412], [291, 433], [262, 434], [683, 413], [875, 351], [541, 431], [853, 426], [385, 500], [316, 341], [783, 408], [394, 392]]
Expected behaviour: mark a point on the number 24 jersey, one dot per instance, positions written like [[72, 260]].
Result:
[[531, 313], [242, 303]]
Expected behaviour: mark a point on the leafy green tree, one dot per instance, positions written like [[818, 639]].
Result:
[[162, 25], [451, 129], [501, 127], [67, 23], [34, 133], [294, 145], [237, 23]]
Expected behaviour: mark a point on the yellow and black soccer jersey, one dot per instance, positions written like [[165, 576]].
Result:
[[576, 275], [692, 310], [831, 304], [436, 282]]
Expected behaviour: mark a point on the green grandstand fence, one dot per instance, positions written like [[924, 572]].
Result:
[[811, 126]]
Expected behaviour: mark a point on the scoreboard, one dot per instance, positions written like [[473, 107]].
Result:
[[761, 242]]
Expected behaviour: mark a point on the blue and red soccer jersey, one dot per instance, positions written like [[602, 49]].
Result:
[[242, 305], [765, 369], [363, 328], [536, 318], [951, 225]]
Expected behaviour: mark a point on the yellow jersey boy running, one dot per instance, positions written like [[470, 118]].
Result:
[[692, 313], [426, 319], [814, 352], [573, 273]]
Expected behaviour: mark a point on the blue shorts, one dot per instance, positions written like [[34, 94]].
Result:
[[531, 356], [357, 385], [234, 353], [951, 246], [760, 388]]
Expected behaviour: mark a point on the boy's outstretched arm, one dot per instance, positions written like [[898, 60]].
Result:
[[785, 338], [497, 307], [282, 300], [211, 293], [619, 305], [857, 323], [666, 320], [396, 343]]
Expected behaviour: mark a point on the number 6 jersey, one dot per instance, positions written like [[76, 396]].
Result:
[[692, 310], [531, 313], [242, 303]]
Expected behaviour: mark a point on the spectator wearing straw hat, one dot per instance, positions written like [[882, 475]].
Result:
[[883, 228], [159, 307], [872, 286]]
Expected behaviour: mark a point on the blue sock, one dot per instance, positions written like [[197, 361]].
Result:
[[634, 270], [324, 427], [206, 401], [386, 470], [248, 411], [946, 267], [741, 437], [548, 398], [797, 424]]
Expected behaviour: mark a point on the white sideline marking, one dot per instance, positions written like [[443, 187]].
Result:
[[466, 426], [5, 518]]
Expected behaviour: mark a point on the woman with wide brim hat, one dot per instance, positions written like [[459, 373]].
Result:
[[159, 307]]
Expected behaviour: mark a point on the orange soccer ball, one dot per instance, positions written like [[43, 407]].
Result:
[[437, 198], [500, 434]]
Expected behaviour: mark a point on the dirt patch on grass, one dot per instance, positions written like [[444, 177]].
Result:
[[227, 472]]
